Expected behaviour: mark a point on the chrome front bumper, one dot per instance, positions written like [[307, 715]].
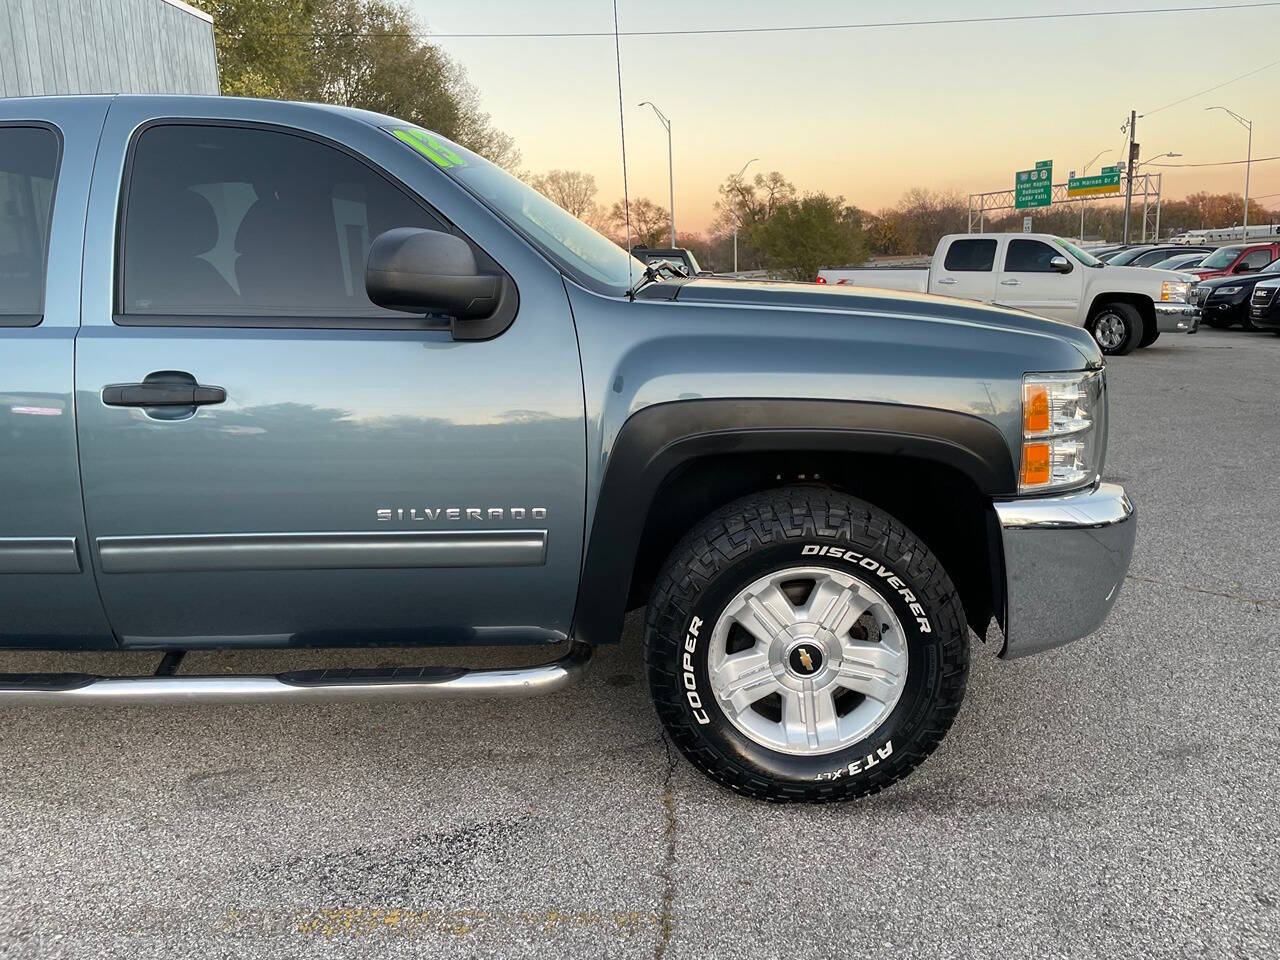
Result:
[[1177, 318], [1065, 558]]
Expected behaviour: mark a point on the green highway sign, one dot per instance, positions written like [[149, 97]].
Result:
[[1034, 188], [1108, 181]]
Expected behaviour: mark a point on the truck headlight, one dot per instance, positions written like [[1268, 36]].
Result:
[[1061, 435], [1174, 291]]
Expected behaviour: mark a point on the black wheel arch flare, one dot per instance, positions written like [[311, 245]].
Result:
[[660, 439]]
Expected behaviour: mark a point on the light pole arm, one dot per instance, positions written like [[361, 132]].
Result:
[[671, 174]]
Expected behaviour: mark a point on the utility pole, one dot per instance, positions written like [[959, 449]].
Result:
[[737, 215], [1128, 183]]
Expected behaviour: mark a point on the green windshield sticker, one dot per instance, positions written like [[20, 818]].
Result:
[[431, 147]]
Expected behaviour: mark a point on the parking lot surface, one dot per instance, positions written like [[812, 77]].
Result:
[[1117, 797]]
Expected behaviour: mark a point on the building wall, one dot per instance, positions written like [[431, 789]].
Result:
[[105, 46]]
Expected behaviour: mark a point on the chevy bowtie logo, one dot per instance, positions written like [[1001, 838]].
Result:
[[806, 659]]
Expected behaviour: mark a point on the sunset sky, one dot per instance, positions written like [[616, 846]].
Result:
[[869, 113]]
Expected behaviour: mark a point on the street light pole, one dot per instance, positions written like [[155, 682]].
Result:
[[1146, 181], [737, 218], [671, 175], [1248, 162]]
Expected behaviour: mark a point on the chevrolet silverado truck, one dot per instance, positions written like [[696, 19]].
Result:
[[288, 375], [1051, 277]]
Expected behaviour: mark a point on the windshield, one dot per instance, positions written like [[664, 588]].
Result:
[[1173, 263], [587, 256], [1088, 259], [1272, 267], [1220, 258]]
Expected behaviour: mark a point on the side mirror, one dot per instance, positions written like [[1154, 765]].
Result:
[[1060, 264], [426, 271], [1242, 268]]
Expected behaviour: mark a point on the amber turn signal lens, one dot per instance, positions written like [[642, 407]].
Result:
[[1035, 408], [1035, 464]]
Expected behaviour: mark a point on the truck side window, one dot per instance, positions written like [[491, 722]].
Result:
[[240, 221], [1257, 259], [28, 166], [971, 256], [1029, 256]]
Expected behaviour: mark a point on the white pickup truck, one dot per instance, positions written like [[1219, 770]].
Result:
[[1046, 275]]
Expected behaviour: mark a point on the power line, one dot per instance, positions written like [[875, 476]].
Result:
[[1223, 163], [1211, 89], [714, 31]]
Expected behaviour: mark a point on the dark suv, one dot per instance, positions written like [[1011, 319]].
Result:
[[1224, 301], [1264, 307]]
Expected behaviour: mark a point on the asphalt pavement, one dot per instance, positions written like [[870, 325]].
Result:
[[1115, 798]]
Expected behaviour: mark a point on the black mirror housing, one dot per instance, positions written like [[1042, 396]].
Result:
[[426, 271]]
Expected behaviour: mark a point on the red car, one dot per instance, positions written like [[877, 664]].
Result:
[[1238, 258]]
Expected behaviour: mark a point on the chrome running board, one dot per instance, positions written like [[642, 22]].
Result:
[[313, 686]]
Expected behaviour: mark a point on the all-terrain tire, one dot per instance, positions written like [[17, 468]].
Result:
[[804, 528]]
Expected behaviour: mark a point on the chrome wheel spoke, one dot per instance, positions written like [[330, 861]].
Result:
[[765, 613], [872, 669], [834, 606], [809, 719], [744, 678]]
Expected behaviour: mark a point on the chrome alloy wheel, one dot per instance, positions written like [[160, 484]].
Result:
[[1108, 330], [807, 660]]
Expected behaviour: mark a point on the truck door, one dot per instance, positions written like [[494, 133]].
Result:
[[968, 269], [1029, 281], [47, 594], [345, 474]]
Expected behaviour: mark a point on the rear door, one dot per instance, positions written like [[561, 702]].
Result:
[[364, 478], [967, 270], [1028, 282], [47, 593]]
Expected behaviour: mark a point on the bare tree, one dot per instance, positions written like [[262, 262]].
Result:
[[573, 190], [650, 222]]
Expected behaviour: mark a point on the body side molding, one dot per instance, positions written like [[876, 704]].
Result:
[[39, 555], [323, 551], [658, 440]]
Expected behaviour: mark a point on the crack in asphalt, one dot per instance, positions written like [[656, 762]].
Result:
[[666, 923], [1258, 602]]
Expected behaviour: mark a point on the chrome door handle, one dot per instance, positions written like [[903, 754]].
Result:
[[1011, 283], [948, 280]]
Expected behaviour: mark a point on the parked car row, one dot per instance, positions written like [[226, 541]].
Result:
[[1225, 300], [1043, 274]]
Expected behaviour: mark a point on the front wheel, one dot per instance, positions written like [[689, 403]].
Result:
[[1117, 328], [803, 645]]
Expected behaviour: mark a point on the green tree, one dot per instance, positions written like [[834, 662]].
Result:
[[745, 203], [263, 46], [801, 236], [356, 53]]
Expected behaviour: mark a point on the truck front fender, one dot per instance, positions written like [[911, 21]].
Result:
[[657, 441]]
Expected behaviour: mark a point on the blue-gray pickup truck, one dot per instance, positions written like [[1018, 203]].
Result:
[[287, 375]]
